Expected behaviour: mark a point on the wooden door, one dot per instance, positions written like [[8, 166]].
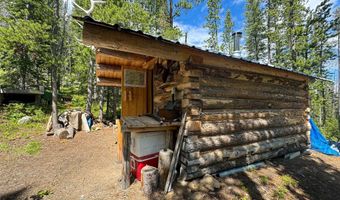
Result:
[[135, 91]]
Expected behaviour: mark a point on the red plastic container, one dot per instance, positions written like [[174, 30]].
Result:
[[137, 163]]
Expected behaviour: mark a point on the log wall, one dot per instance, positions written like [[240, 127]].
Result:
[[237, 118]]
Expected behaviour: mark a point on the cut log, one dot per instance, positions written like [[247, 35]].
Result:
[[164, 161], [219, 115], [150, 177], [219, 155], [230, 126], [250, 104], [243, 161], [245, 137]]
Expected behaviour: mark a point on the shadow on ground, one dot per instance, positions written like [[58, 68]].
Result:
[[13, 195], [315, 179]]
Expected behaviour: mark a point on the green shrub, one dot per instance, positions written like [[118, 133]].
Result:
[[280, 192], [289, 181], [15, 111], [264, 180], [78, 101], [33, 148]]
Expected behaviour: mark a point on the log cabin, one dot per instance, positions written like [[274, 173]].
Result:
[[237, 112]]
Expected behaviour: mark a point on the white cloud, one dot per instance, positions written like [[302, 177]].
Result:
[[196, 34]]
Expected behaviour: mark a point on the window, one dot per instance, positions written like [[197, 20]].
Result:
[[134, 78]]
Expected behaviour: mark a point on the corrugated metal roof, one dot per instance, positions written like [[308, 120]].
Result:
[[116, 27]]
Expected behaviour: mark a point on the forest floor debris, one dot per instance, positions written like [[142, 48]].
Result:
[[85, 168]]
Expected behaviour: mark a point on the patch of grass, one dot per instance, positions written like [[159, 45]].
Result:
[[33, 148], [244, 188], [43, 193], [264, 180], [4, 147], [280, 192], [289, 181]]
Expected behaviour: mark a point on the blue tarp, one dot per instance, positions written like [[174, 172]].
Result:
[[319, 142]]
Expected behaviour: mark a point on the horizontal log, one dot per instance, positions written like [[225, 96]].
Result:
[[246, 93], [188, 85], [109, 82], [108, 71], [194, 143], [250, 104], [223, 83], [231, 126], [242, 161], [219, 155], [218, 115], [215, 73]]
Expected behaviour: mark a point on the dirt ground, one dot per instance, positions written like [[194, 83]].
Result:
[[85, 168]]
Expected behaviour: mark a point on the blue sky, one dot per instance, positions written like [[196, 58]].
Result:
[[192, 21]]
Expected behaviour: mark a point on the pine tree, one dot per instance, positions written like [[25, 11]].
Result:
[[226, 46], [254, 30], [293, 21], [212, 24], [322, 51]]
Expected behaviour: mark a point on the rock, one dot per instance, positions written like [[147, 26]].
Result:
[[25, 120], [71, 131], [194, 185], [98, 126], [198, 196], [61, 133], [210, 182], [75, 120], [84, 125]]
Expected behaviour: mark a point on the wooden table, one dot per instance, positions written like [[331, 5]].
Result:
[[139, 125]]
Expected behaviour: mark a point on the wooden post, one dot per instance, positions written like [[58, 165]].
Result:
[[126, 159]]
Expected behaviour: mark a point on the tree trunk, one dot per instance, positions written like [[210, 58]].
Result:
[[101, 101], [268, 29], [114, 103], [171, 15], [54, 86], [90, 86], [54, 69], [108, 101]]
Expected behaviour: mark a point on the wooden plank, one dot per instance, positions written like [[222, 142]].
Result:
[[119, 141], [175, 158], [107, 37]]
